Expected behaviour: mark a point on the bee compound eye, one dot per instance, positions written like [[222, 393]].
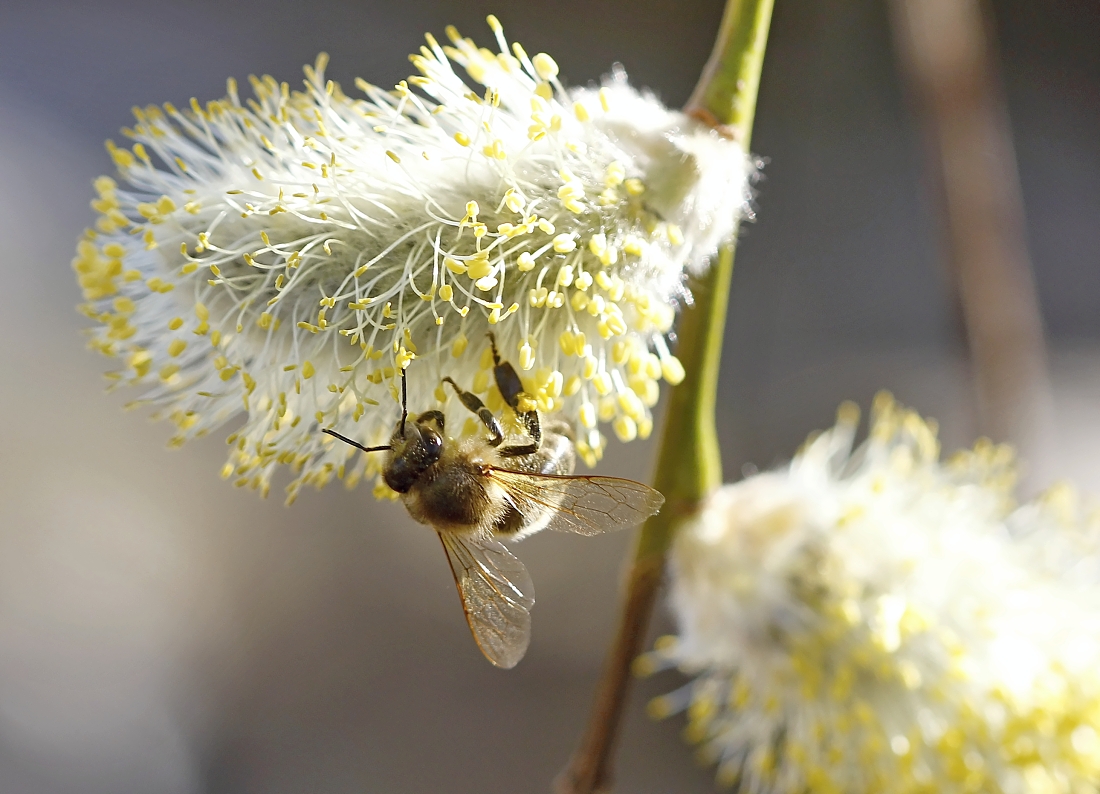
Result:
[[433, 443], [400, 476]]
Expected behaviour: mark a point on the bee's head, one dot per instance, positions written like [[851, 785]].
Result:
[[416, 446]]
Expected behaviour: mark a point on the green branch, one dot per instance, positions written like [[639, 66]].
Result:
[[689, 464]]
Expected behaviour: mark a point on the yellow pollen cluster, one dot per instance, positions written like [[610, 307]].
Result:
[[867, 622], [288, 255]]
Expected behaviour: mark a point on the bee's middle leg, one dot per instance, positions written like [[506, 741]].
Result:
[[475, 405]]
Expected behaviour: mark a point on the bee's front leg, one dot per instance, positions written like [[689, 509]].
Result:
[[475, 405]]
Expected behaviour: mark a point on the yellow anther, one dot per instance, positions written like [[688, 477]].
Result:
[[544, 90], [176, 346], [554, 384], [564, 243], [485, 284], [536, 297], [472, 210], [652, 366], [478, 267], [587, 415], [514, 200], [446, 293], [481, 382], [462, 139], [620, 351], [634, 187], [124, 305], [616, 325], [605, 99], [404, 357], [631, 405], [590, 367], [526, 356], [571, 190], [625, 428], [565, 272], [545, 67], [614, 174], [672, 370], [617, 289], [525, 262], [140, 361]]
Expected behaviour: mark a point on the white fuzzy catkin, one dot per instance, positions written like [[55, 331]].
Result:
[[289, 255], [881, 621]]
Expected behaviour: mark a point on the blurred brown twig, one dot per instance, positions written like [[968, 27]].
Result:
[[946, 54]]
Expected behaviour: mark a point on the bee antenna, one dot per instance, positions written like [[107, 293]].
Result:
[[347, 440], [404, 401]]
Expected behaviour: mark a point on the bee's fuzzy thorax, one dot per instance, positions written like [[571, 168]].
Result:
[[454, 495]]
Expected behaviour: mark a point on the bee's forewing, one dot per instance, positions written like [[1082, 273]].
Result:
[[497, 595], [586, 505]]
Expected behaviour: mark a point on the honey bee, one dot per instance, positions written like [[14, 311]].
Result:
[[475, 491]]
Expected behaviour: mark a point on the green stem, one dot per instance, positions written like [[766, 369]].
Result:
[[689, 464]]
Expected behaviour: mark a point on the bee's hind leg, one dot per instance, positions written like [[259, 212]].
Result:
[[510, 389], [475, 405]]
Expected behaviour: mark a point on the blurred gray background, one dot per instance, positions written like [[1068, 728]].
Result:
[[163, 632]]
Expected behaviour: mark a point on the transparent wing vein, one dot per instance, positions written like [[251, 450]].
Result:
[[585, 505], [497, 596]]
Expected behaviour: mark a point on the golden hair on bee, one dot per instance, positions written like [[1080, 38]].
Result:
[[475, 490]]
